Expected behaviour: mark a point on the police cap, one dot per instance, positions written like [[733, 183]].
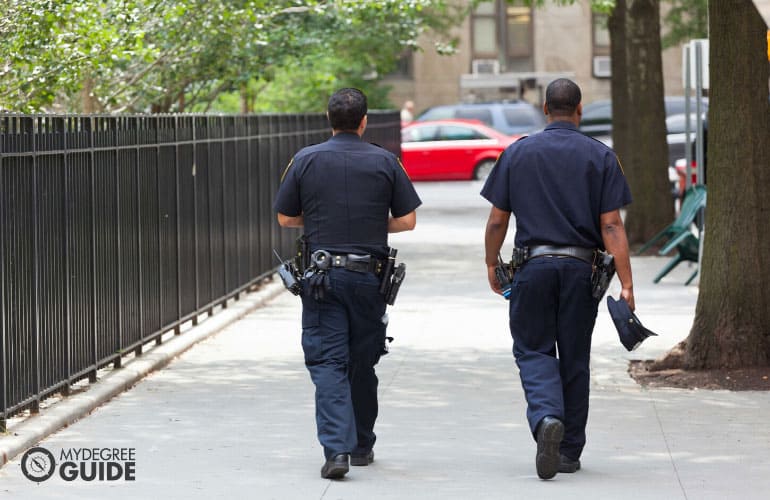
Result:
[[630, 329]]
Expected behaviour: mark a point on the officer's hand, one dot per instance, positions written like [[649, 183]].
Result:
[[493, 283], [628, 294]]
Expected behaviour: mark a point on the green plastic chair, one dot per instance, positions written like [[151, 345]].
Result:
[[681, 237], [687, 249], [677, 231]]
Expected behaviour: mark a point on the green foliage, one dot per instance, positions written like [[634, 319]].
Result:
[[166, 55], [687, 20], [305, 85], [603, 6]]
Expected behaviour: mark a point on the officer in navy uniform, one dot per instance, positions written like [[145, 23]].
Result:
[[348, 195], [565, 191]]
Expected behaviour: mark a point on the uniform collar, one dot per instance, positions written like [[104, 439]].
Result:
[[561, 125], [346, 136]]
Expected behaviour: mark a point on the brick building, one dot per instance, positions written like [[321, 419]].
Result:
[[508, 51]]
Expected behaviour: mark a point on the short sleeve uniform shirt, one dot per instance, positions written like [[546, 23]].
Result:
[[346, 189], [557, 183]]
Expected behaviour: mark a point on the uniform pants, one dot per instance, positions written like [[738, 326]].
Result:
[[343, 337], [552, 316]]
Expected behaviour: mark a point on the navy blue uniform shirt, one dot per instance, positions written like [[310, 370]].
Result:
[[557, 183], [346, 189]]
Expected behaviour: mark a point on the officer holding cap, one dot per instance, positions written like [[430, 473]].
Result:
[[565, 191], [348, 195]]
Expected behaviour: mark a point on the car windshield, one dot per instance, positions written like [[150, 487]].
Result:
[[597, 111], [522, 117], [482, 115], [459, 133], [675, 124], [420, 134], [675, 105]]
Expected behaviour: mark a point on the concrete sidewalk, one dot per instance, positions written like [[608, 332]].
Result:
[[234, 417]]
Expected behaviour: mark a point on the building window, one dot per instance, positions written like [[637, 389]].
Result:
[[519, 31], [404, 69], [601, 35], [503, 32], [484, 32], [602, 67]]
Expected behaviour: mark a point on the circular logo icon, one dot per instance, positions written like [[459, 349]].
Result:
[[38, 464]]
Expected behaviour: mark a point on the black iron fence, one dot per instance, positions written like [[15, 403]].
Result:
[[117, 229]]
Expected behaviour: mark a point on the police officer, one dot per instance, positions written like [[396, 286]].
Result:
[[565, 191], [348, 195]]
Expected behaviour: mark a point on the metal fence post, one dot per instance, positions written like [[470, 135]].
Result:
[[4, 126]]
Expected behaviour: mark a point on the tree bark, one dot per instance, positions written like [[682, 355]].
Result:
[[88, 103], [732, 315], [646, 163], [621, 121]]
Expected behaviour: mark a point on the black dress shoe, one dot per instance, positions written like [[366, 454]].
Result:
[[567, 465], [359, 460], [549, 435], [335, 467]]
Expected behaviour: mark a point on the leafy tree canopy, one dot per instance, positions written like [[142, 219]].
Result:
[[165, 55], [686, 20]]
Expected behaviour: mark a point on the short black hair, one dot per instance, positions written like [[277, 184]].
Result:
[[562, 97], [347, 107]]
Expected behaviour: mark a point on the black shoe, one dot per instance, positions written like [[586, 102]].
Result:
[[359, 460], [335, 467], [568, 466], [549, 435]]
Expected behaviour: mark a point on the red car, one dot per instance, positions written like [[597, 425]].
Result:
[[451, 149], [681, 172]]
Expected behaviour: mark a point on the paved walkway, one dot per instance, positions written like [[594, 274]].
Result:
[[233, 416]]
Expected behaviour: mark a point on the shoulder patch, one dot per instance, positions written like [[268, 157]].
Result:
[[620, 165], [402, 167], [286, 170]]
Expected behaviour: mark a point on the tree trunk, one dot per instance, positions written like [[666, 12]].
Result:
[[621, 119], [88, 103], [245, 99], [646, 163], [732, 316]]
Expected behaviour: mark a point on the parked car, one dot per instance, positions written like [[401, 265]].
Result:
[[676, 136], [451, 149], [596, 120], [509, 118], [597, 115]]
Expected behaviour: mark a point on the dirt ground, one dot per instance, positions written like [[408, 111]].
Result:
[[744, 379], [668, 372]]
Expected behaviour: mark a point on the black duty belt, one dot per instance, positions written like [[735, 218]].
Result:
[[582, 253], [357, 263]]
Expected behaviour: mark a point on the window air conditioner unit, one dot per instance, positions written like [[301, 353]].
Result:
[[485, 66], [602, 67]]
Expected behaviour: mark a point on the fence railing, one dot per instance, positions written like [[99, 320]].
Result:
[[117, 229]]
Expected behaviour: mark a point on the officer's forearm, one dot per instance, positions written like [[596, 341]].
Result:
[[497, 227], [616, 243], [400, 224], [287, 221]]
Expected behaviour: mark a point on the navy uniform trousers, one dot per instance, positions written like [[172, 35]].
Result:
[[343, 337], [552, 310]]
